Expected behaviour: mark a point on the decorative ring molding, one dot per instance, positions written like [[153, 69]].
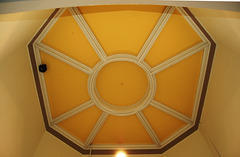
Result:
[[116, 110]]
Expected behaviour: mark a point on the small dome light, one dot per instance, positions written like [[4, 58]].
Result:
[[121, 154]]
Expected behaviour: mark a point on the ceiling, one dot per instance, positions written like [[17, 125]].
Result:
[[130, 77], [20, 110]]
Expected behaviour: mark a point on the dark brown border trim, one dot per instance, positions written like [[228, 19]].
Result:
[[209, 64], [39, 90], [110, 152], [34, 67]]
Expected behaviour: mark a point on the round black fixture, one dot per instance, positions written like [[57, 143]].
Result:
[[42, 68]]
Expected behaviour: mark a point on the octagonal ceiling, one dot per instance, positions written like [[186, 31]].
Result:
[[122, 77]]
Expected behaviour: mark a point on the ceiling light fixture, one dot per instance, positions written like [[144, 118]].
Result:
[[121, 154]]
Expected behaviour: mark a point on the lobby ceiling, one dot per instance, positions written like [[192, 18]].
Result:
[[130, 77]]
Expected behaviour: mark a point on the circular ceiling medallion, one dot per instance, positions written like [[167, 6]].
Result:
[[121, 85]]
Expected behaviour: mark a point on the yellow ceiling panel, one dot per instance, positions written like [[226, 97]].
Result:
[[176, 36], [122, 83], [81, 124], [67, 37], [177, 85], [162, 123], [122, 29], [122, 130], [66, 86]]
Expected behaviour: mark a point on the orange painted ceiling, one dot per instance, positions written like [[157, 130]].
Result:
[[125, 77]]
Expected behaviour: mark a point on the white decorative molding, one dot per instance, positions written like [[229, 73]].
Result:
[[148, 128], [50, 25], [155, 32], [147, 66], [76, 64], [176, 134], [88, 33], [183, 55], [193, 24], [72, 112], [43, 85], [96, 128], [200, 82], [115, 110], [107, 108], [67, 135], [125, 146], [171, 111]]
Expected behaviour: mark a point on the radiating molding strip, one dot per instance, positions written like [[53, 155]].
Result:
[[96, 128], [88, 33], [171, 111], [155, 32], [183, 55], [72, 112], [148, 128], [64, 58]]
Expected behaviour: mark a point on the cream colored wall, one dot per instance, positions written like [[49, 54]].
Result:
[[221, 114], [50, 146], [20, 117], [193, 145]]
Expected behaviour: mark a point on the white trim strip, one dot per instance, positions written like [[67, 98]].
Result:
[[88, 33], [171, 111], [155, 32], [67, 135], [185, 54], [96, 128], [50, 24], [200, 81], [177, 134], [72, 112], [43, 85], [125, 146], [193, 24], [63, 58], [148, 128]]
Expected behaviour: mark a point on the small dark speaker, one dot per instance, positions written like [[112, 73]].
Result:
[[42, 68]]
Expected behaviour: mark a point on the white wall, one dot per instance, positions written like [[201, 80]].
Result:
[[20, 116]]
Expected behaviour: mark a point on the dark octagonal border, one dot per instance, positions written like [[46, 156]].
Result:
[[131, 151]]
